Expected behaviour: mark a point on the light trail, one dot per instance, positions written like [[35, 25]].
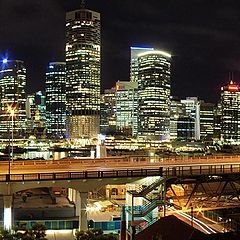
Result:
[[197, 222]]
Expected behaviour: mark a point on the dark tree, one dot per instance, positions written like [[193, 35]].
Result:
[[95, 234]]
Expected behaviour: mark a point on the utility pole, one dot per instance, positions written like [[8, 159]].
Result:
[[123, 224]]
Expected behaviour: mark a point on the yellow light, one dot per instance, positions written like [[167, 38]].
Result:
[[165, 54], [199, 209], [11, 110], [12, 113]]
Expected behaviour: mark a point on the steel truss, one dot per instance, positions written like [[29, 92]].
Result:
[[204, 191]]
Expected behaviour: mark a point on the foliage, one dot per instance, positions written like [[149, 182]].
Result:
[[94, 234], [37, 232], [6, 235]]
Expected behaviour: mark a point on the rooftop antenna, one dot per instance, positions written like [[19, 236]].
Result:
[[83, 3], [231, 77]]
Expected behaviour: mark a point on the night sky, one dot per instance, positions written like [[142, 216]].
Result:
[[202, 35]]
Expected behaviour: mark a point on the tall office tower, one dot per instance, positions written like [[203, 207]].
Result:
[[83, 41], [217, 123], [135, 51], [56, 99], [40, 100], [30, 112], [230, 113], [126, 107], [13, 95], [177, 110], [30, 106], [108, 112], [40, 115], [154, 73], [192, 105], [206, 121], [36, 114]]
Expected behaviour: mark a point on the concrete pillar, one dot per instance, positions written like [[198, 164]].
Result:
[[101, 151], [7, 215], [82, 211], [92, 153], [77, 201]]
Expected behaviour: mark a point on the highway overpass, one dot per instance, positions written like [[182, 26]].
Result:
[[84, 175]]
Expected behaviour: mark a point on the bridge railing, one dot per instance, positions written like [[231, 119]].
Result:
[[202, 170], [175, 171], [81, 175]]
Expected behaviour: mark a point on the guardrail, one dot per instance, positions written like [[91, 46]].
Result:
[[181, 171], [136, 173], [210, 170]]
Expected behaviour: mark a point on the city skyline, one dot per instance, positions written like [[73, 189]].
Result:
[[204, 49]]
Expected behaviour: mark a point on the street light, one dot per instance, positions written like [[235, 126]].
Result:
[[11, 111], [12, 114]]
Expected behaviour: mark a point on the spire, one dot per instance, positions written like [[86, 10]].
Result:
[[82, 4], [231, 77]]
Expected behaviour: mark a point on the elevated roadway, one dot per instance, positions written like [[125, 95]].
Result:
[[118, 170], [113, 163], [84, 175]]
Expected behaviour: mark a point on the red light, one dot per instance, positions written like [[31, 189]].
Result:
[[233, 88]]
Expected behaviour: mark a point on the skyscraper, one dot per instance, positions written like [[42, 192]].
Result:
[[30, 112], [135, 51], [40, 115], [56, 99], [83, 41], [206, 120], [126, 107], [108, 112], [13, 95], [230, 113], [40, 100], [177, 110], [154, 73], [192, 105]]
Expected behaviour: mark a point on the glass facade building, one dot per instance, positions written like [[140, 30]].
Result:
[[154, 74], [108, 112], [185, 128], [40, 115], [230, 114], [126, 107], [30, 112], [192, 105], [83, 60], [177, 110], [134, 61], [206, 120], [56, 99], [13, 95]]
